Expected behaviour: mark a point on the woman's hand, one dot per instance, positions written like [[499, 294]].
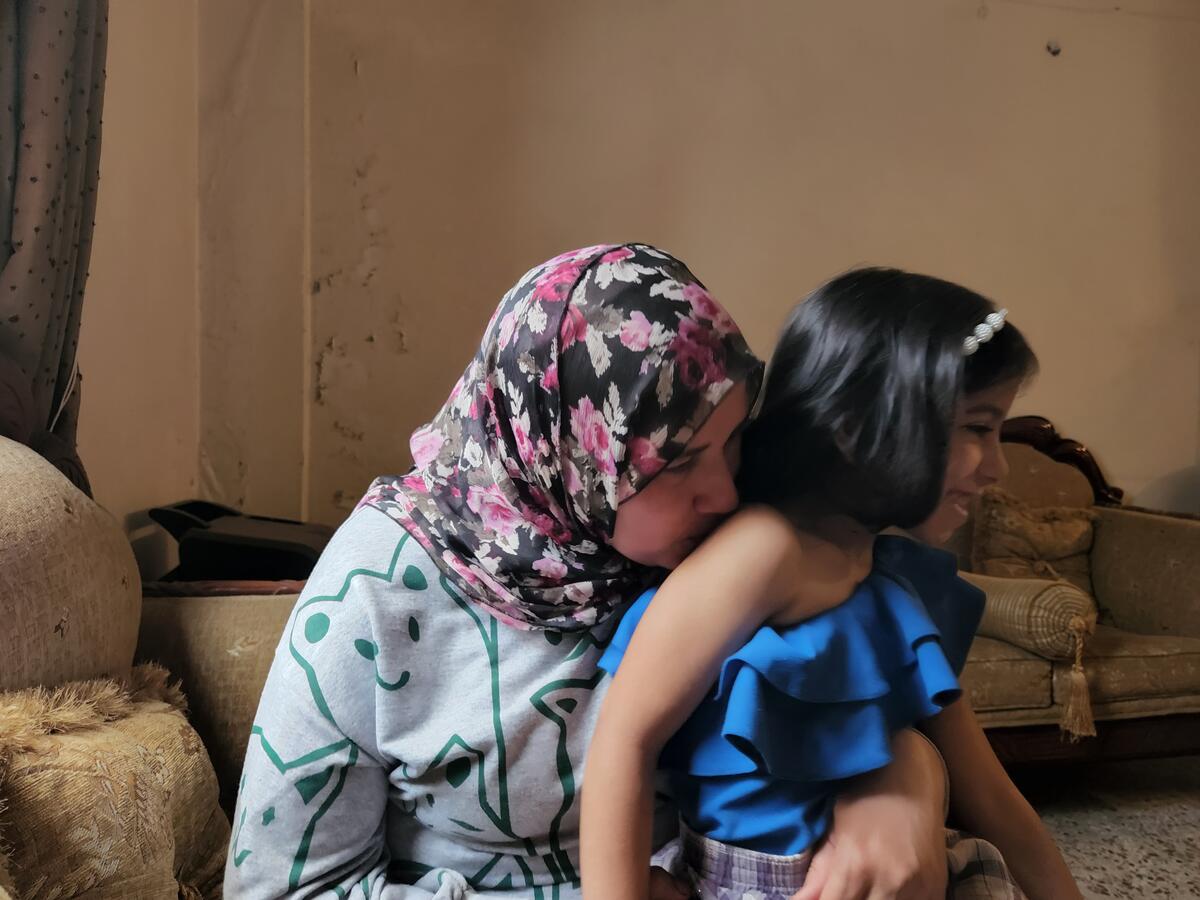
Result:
[[888, 840]]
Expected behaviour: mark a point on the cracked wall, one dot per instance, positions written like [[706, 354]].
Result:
[[363, 200], [1044, 154]]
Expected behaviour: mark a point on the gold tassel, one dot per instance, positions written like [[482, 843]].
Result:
[[1077, 720]]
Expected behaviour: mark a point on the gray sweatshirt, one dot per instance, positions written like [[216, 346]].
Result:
[[407, 745]]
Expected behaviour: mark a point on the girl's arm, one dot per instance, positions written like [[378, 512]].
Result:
[[987, 804], [708, 607], [888, 838]]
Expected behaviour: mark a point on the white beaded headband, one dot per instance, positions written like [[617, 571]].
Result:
[[984, 331]]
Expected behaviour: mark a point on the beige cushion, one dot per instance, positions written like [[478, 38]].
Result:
[[1040, 481], [1015, 540], [1000, 676], [1122, 665], [109, 793], [1037, 480], [221, 649], [1049, 618], [70, 597]]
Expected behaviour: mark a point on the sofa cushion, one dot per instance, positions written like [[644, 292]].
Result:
[[1040, 481], [221, 648], [1001, 676], [1146, 571], [108, 793], [1049, 618], [1122, 665], [70, 597], [1015, 540]]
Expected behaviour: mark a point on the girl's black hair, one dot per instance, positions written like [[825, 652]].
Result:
[[861, 392]]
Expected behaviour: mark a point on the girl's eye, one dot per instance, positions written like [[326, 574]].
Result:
[[981, 430]]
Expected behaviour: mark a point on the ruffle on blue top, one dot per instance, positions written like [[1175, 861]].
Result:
[[800, 707]]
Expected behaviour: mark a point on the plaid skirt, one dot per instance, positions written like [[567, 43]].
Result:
[[719, 871]]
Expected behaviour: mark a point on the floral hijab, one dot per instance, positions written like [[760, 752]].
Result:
[[594, 372]]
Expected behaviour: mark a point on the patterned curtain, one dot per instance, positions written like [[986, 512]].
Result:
[[51, 91]]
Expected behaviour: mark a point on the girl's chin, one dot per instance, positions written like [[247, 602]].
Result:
[[940, 527]]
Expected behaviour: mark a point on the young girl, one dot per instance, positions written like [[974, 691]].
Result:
[[783, 655]]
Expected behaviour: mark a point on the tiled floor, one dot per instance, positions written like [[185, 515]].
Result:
[[1128, 830]]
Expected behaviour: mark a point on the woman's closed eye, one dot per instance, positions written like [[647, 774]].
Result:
[[683, 463]]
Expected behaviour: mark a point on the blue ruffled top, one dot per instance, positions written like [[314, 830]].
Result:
[[801, 707]]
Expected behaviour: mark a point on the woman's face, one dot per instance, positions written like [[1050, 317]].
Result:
[[661, 524], [976, 459]]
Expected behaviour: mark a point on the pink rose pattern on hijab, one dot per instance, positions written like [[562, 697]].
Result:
[[594, 372]]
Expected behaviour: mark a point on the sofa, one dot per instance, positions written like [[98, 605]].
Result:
[[1135, 652], [106, 788], [124, 719]]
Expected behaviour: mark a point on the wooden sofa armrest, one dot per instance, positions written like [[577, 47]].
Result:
[[1146, 571]]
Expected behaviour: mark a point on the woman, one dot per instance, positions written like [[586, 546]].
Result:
[[422, 729]]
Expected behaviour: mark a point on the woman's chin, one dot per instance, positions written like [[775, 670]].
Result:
[[672, 557], [661, 557]]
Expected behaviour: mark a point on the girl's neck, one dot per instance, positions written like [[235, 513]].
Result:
[[833, 526]]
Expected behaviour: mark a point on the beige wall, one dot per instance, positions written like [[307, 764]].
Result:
[[138, 348], [192, 342], [252, 245], [345, 278], [459, 143]]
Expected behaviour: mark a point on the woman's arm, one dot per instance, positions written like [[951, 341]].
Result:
[[888, 839], [708, 607], [988, 804], [311, 806], [313, 798]]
